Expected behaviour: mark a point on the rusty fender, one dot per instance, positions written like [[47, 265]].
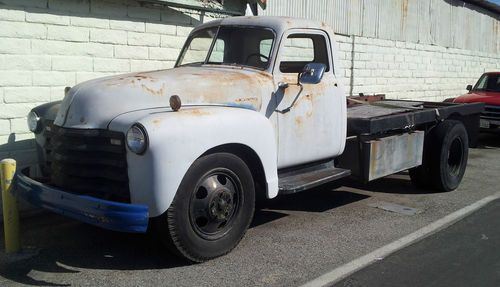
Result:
[[177, 139]]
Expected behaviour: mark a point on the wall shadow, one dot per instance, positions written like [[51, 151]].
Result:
[[17, 147]]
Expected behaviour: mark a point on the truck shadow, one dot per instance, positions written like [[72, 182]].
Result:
[[399, 183], [318, 199], [65, 246], [489, 140]]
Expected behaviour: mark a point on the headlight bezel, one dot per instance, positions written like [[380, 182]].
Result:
[[137, 127], [33, 121]]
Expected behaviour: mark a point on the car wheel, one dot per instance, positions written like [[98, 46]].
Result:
[[212, 209]]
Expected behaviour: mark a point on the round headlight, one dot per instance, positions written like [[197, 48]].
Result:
[[137, 140], [33, 120]]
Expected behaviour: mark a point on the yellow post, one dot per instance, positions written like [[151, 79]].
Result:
[[10, 212]]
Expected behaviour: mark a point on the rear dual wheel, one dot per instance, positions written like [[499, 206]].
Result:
[[445, 157], [212, 209]]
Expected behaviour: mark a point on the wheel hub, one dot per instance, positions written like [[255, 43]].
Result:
[[214, 203], [221, 205]]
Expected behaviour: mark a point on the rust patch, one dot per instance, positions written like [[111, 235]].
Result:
[[405, 14], [152, 91], [247, 100], [194, 112], [298, 121], [141, 76], [156, 121], [405, 9]]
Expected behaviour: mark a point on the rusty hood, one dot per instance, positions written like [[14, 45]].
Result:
[[93, 104]]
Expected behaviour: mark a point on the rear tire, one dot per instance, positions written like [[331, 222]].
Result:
[[445, 157], [450, 154], [212, 209]]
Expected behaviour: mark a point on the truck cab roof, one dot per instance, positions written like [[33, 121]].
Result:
[[276, 23]]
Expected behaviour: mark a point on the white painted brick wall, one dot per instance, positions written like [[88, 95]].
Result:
[[46, 45], [49, 44], [408, 70]]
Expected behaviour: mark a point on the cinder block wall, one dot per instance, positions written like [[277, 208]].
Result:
[[405, 70], [46, 45]]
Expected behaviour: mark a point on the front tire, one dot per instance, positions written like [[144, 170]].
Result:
[[212, 209]]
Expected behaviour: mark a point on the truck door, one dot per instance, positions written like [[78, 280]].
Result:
[[314, 127]]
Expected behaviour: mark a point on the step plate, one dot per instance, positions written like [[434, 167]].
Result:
[[297, 181]]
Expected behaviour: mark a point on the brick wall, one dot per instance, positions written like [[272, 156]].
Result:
[[404, 70], [46, 45]]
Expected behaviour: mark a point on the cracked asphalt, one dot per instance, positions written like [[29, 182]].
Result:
[[292, 239]]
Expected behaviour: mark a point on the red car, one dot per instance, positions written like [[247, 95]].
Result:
[[487, 91]]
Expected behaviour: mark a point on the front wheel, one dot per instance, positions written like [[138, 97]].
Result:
[[212, 209]]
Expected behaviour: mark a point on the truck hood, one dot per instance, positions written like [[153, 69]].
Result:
[[93, 104], [489, 98]]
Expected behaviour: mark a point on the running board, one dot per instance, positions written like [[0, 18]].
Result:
[[301, 179]]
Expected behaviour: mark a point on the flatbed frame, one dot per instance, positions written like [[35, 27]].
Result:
[[392, 115]]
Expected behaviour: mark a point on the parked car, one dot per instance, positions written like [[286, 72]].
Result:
[[487, 91], [254, 107]]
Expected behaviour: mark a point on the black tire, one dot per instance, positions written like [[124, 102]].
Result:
[[212, 209], [450, 152], [445, 157]]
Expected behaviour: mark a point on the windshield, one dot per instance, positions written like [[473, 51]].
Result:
[[229, 46], [488, 82]]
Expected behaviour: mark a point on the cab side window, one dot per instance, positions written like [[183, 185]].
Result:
[[301, 49]]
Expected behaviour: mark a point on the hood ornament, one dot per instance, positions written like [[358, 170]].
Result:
[[175, 103]]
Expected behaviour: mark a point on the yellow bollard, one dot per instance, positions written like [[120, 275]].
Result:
[[10, 212]]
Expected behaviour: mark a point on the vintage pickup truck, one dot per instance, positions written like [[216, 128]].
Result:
[[253, 108]]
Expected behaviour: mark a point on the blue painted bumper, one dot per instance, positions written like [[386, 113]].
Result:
[[103, 213]]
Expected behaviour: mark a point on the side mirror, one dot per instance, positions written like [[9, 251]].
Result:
[[312, 73], [469, 88]]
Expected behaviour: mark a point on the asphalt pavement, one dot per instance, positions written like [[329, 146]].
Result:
[[465, 254], [292, 240]]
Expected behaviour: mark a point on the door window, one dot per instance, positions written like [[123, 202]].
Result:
[[301, 49]]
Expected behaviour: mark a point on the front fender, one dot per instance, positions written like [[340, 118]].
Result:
[[177, 139]]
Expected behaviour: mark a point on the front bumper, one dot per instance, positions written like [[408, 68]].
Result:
[[103, 213]]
